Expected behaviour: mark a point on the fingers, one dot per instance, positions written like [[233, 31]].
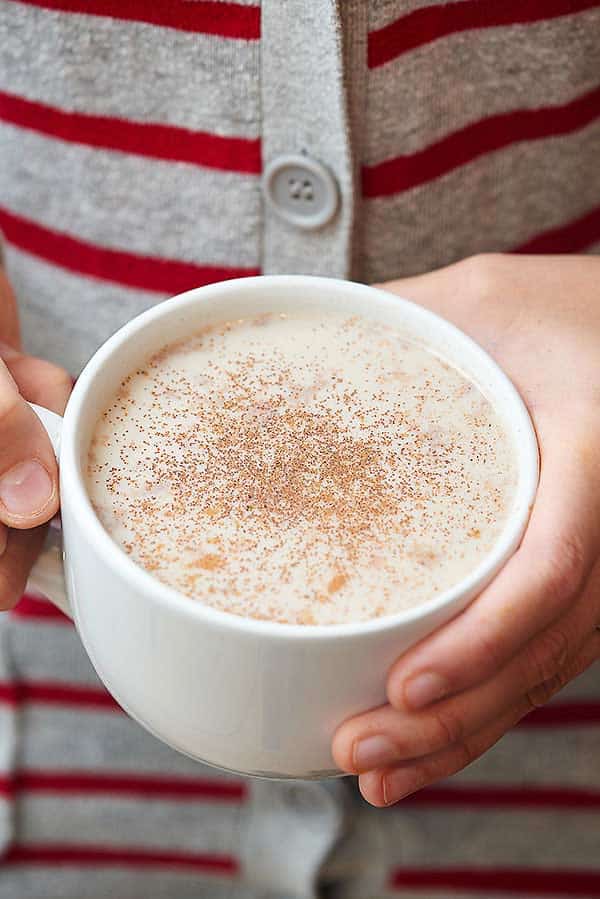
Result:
[[28, 471], [537, 586], [9, 319], [38, 381], [385, 736], [385, 786], [563, 651], [22, 549]]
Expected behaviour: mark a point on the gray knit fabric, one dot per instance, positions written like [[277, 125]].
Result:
[[306, 114]]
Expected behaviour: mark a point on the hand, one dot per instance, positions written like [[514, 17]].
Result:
[[451, 697], [28, 473]]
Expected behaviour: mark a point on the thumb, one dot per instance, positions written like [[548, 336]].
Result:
[[38, 380], [28, 471]]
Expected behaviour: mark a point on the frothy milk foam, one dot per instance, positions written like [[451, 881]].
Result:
[[303, 469]]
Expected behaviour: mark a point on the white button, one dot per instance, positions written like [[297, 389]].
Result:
[[301, 191]]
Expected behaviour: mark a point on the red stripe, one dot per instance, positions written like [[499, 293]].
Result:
[[232, 154], [232, 20], [165, 276], [9, 694], [433, 22], [570, 238], [50, 693], [485, 136], [483, 796], [37, 608], [108, 856], [564, 714], [524, 882], [184, 789], [125, 784], [7, 787]]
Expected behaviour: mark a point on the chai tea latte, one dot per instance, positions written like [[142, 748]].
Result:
[[307, 469]]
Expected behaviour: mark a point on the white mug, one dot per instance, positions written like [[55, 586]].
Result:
[[255, 697]]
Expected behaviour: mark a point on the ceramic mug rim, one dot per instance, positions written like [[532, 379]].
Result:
[[73, 488]]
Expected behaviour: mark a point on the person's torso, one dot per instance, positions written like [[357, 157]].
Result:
[[132, 144]]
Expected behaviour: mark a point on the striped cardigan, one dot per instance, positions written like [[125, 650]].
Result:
[[132, 139]]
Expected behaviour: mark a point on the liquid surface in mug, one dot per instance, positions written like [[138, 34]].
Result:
[[302, 469]]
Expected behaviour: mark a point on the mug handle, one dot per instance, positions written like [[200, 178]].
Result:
[[48, 575]]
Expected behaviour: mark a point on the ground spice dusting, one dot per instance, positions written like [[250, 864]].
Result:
[[336, 583], [301, 470]]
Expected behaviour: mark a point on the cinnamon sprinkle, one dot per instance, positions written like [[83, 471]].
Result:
[[306, 471]]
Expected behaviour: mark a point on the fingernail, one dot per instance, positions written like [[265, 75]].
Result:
[[398, 785], [25, 489], [374, 752], [424, 689]]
